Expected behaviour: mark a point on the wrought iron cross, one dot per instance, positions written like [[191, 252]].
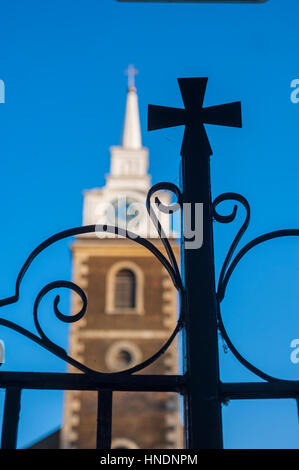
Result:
[[202, 403], [194, 116]]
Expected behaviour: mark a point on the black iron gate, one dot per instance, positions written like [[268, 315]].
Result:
[[199, 316]]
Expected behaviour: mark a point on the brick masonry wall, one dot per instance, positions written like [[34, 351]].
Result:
[[145, 420]]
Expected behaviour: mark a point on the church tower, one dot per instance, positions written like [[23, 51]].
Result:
[[132, 304]]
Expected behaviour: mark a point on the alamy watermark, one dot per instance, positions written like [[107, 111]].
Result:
[[295, 353], [295, 92], [2, 355], [124, 216], [2, 91]]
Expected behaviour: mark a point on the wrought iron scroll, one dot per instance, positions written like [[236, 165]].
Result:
[[169, 264], [231, 263]]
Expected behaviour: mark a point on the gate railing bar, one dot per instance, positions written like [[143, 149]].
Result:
[[104, 419], [251, 390], [116, 382], [11, 418]]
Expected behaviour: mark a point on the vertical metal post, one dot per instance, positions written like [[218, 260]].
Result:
[[202, 402], [104, 421], [11, 418]]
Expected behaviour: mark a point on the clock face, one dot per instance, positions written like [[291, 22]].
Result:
[[124, 211]]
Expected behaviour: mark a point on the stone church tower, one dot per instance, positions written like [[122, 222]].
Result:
[[132, 305]]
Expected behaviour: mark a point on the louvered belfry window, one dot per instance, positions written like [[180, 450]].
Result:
[[125, 287]]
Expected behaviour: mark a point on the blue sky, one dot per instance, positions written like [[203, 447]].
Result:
[[63, 66]]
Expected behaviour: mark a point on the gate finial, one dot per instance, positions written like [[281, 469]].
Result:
[[194, 116]]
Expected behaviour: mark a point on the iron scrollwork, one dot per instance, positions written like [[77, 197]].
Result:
[[230, 264], [170, 264]]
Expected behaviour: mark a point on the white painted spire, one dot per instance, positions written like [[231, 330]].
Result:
[[128, 177], [131, 138]]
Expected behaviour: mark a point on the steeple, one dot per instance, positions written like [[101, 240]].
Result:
[[129, 161], [128, 177], [131, 138]]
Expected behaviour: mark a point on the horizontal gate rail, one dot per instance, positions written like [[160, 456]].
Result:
[[115, 382], [251, 390]]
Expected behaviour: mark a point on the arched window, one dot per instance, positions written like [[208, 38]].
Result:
[[125, 289]]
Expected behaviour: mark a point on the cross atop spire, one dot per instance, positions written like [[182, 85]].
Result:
[[131, 72], [131, 133]]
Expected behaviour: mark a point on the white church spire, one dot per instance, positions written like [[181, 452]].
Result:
[[131, 138], [128, 181], [129, 161]]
